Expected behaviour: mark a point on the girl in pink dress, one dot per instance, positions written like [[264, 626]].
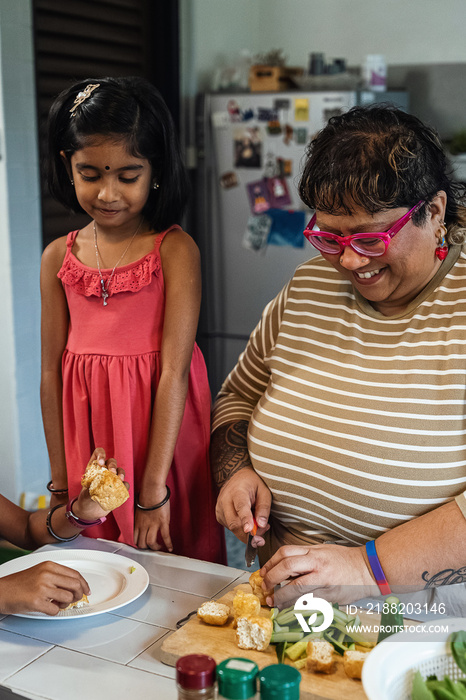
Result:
[[120, 306]]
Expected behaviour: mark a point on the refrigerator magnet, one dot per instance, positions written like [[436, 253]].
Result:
[[258, 196], [278, 192], [288, 134], [247, 146], [228, 180], [265, 114], [274, 128], [300, 135], [220, 120], [287, 228], [257, 232], [301, 109]]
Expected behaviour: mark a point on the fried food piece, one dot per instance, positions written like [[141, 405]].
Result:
[[213, 613], [79, 603], [353, 662], [320, 656], [105, 487], [255, 581], [245, 604], [253, 632]]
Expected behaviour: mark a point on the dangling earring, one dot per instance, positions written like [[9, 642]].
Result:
[[72, 182], [155, 186], [441, 251]]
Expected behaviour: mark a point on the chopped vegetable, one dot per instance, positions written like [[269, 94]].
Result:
[[132, 570], [291, 641], [391, 620]]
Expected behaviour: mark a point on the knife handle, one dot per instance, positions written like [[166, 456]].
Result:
[[254, 527]]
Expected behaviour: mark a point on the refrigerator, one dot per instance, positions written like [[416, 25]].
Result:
[[248, 215]]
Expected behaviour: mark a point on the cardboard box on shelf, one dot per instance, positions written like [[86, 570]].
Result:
[[264, 78]]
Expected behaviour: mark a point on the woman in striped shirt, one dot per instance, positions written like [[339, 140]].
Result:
[[343, 422]]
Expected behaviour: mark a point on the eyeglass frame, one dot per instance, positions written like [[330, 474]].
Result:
[[344, 241]]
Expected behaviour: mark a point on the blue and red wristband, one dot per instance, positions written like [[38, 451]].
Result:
[[376, 568]]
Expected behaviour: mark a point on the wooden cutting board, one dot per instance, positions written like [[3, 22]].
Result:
[[196, 637]]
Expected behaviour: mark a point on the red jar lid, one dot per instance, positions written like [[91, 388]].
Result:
[[195, 671]]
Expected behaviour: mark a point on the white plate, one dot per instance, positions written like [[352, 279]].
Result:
[[110, 578]]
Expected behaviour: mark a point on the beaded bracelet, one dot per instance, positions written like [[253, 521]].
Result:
[[158, 505], [79, 522], [376, 568], [48, 524], [52, 490]]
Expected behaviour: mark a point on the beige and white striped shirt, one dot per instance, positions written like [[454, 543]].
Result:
[[357, 420]]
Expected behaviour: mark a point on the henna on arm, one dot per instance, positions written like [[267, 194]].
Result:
[[229, 451]]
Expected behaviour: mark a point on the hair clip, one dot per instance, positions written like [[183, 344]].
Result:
[[81, 96]]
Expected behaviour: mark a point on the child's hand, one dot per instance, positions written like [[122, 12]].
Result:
[[148, 524], [85, 507], [47, 588]]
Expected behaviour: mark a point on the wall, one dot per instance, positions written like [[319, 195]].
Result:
[[23, 462], [417, 31]]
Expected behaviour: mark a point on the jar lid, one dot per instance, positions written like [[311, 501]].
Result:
[[236, 678], [279, 682], [195, 671]]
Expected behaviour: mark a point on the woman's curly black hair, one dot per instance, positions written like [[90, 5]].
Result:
[[379, 157]]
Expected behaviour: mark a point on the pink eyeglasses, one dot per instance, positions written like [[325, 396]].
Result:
[[369, 244]]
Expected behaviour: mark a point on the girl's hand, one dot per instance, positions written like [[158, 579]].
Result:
[[46, 588], [85, 507], [330, 571], [147, 525]]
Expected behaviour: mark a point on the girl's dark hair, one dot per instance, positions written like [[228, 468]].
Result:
[[378, 157], [129, 108]]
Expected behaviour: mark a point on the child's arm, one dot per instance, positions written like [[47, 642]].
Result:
[[182, 275], [54, 333]]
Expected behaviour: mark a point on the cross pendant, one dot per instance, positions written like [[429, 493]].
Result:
[[104, 293]]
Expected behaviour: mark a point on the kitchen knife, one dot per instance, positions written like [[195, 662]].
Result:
[[250, 550]]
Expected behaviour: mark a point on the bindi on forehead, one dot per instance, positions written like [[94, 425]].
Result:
[[107, 167]]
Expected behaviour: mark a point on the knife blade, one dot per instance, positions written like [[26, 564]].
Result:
[[251, 551]]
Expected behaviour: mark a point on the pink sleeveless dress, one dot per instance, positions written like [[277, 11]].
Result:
[[111, 368]]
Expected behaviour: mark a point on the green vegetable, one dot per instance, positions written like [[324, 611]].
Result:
[[280, 651], [391, 620], [291, 641], [420, 690], [446, 689], [457, 642]]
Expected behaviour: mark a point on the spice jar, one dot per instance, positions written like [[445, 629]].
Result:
[[195, 677], [279, 682], [236, 679]]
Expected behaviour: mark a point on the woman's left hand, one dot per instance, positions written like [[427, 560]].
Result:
[[330, 571]]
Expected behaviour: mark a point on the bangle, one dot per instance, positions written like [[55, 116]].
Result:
[[52, 490], [48, 524], [79, 522], [158, 505], [376, 568]]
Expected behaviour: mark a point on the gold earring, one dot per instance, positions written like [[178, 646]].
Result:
[[155, 186]]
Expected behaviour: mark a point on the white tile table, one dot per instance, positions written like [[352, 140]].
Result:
[[114, 655]]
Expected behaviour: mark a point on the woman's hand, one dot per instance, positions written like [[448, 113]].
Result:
[[241, 497], [330, 571], [46, 588]]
